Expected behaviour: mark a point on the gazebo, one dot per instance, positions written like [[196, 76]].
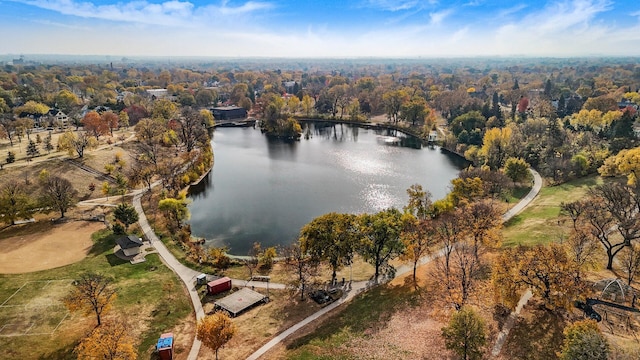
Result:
[[130, 244]]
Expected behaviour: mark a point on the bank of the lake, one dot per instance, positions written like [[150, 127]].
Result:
[[264, 190]]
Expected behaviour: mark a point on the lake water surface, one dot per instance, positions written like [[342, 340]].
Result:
[[264, 190]]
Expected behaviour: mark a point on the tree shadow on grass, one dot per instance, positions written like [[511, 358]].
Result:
[[103, 240], [366, 314], [537, 335], [64, 353]]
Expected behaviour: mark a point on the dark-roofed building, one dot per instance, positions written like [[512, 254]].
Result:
[[130, 244], [228, 112], [57, 117]]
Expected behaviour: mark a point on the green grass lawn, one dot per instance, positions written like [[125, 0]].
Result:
[[149, 295], [538, 223], [368, 310]]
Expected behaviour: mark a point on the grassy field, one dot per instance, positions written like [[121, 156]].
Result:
[[149, 296], [538, 223], [361, 328], [362, 317]]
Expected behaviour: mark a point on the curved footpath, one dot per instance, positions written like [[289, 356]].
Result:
[[188, 276], [358, 287], [185, 274]]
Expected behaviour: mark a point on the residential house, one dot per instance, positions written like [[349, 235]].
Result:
[[56, 117]]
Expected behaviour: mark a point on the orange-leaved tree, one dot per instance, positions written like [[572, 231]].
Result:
[[111, 341], [215, 331]]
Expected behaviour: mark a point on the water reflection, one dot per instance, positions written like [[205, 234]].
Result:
[[264, 190]]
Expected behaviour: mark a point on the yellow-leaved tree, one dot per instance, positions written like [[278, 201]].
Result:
[[92, 293], [626, 162], [546, 270], [215, 331], [111, 341], [495, 146]]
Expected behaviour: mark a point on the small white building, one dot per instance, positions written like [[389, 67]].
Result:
[[433, 136], [158, 93]]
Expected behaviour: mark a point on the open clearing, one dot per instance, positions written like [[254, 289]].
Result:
[[58, 245], [36, 308]]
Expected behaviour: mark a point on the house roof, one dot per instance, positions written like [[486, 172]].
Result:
[[129, 241], [225, 108]]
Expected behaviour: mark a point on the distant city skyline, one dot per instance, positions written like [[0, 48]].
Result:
[[321, 29]]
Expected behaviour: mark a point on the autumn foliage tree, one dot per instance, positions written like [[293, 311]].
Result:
[[111, 341], [380, 234], [330, 237], [546, 270], [465, 334], [175, 209], [92, 293], [95, 124], [76, 143], [583, 340], [111, 120], [215, 331], [15, 202]]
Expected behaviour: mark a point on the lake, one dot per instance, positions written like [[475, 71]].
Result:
[[264, 190]]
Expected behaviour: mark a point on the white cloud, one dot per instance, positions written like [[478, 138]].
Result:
[[168, 13], [562, 28], [392, 5], [436, 18], [512, 10]]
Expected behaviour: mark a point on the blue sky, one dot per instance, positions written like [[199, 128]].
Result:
[[329, 28]]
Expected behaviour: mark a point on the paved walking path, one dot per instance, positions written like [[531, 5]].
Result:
[[403, 269], [508, 325], [511, 320], [185, 274], [188, 275]]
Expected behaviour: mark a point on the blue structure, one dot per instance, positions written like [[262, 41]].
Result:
[[165, 346]]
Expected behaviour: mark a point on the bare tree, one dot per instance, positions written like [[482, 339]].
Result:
[[253, 259], [630, 261], [92, 293], [621, 203], [304, 267], [191, 129], [58, 193], [449, 230]]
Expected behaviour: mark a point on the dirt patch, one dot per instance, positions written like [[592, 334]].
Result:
[[61, 244]]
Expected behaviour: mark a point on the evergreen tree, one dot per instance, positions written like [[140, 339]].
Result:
[[515, 85], [48, 144], [32, 149], [11, 157], [548, 88], [623, 128], [561, 106], [495, 107]]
